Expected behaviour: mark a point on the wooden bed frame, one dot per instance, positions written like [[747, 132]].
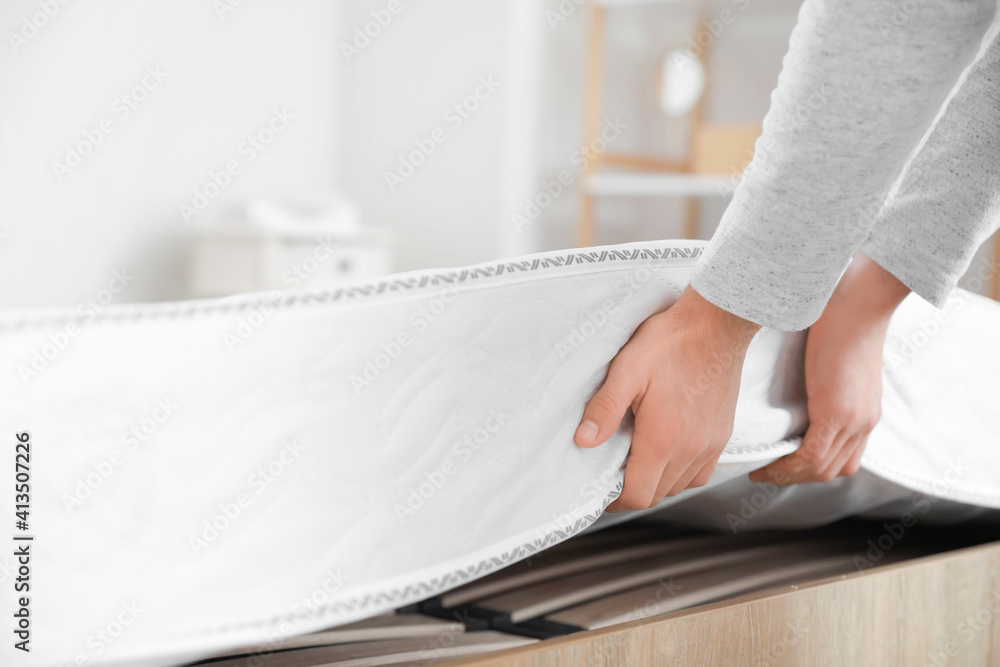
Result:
[[937, 610], [926, 596]]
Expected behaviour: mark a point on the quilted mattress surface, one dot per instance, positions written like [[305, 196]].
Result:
[[227, 472]]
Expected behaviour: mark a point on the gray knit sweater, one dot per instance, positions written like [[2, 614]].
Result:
[[864, 148]]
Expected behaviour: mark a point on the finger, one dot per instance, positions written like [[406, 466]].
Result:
[[817, 469], [642, 474], [840, 460], [672, 472], [818, 439], [854, 463], [820, 442], [697, 474], [762, 474], [704, 475], [605, 411], [641, 477]]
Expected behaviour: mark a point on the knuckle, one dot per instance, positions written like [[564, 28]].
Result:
[[872, 421], [817, 435], [605, 402], [627, 364], [634, 502], [826, 475], [721, 439], [780, 477], [637, 505], [699, 481], [687, 453], [803, 459]]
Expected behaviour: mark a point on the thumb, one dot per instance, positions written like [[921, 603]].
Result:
[[606, 409]]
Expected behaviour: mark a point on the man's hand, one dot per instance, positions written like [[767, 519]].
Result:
[[680, 374], [843, 368]]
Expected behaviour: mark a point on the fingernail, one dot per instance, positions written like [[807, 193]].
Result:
[[587, 431]]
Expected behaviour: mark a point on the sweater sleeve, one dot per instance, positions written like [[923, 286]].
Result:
[[947, 200], [860, 84]]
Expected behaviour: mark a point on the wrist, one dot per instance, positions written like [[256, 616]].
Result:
[[714, 321], [867, 293]]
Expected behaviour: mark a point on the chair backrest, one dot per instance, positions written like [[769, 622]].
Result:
[[722, 149]]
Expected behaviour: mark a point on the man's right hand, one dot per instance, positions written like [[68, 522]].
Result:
[[680, 374]]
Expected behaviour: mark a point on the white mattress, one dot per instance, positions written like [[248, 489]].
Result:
[[474, 413]]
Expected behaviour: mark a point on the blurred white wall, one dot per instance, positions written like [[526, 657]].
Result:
[[457, 207], [401, 89], [223, 73], [368, 83]]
